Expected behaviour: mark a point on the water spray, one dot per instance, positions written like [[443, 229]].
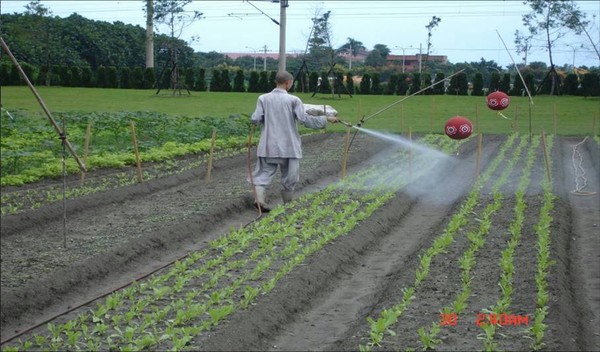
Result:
[[365, 118]]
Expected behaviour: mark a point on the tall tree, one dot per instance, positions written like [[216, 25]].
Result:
[[173, 14], [477, 85], [435, 21], [378, 56], [551, 19], [43, 35], [238, 81], [494, 82], [321, 53], [523, 44], [353, 47], [505, 83]]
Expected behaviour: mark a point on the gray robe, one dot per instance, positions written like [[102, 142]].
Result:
[[277, 113]]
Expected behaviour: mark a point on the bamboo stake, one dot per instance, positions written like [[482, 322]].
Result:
[[554, 117], [477, 117], [249, 156], [64, 179], [210, 155], [345, 156], [478, 159], [410, 155], [548, 171], [515, 127], [57, 128], [86, 148], [594, 121], [401, 119], [432, 113], [137, 153]]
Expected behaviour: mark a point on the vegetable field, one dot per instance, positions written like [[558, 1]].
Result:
[[446, 245]]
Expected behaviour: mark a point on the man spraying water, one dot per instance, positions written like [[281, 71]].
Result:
[[280, 145]]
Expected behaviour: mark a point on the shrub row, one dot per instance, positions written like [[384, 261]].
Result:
[[256, 82]]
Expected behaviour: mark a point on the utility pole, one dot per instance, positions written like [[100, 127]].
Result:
[[350, 58], [254, 56], [420, 56], [265, 58], [403, 60], [403, 56], [282, 20], [149, 34]]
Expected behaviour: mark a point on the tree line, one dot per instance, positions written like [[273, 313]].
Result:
[[79, 52], [341, 82]]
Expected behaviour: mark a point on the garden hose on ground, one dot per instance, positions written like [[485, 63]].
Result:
[[250, 176], [580, 179]]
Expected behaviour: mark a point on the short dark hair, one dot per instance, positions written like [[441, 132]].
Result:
[[283, 76]]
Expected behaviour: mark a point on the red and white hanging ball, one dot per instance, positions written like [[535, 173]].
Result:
[[498, 100], [458, 127]]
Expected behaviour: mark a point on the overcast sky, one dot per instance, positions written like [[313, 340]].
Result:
[[468, 31]]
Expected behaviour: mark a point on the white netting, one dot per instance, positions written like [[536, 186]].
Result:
[[320, 110]]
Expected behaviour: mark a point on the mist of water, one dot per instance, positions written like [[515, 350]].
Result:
[[399, 140], [431, 176]]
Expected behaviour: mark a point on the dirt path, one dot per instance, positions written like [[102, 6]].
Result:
[[581, 167]]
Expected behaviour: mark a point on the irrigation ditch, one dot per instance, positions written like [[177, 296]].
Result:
[[332, 296]]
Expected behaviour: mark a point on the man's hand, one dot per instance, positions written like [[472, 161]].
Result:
[[332, 119]]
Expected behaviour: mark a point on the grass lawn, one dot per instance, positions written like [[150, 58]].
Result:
[[567, 115]]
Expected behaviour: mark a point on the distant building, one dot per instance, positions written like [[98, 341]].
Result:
[[411, 62], [359, 57], [274, 56]]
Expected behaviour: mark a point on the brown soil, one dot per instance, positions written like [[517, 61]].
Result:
[[119, 235]]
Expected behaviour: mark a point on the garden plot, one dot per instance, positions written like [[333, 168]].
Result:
[[385, 259]]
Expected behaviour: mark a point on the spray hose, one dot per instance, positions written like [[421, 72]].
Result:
[[365, 118], [249, 157]]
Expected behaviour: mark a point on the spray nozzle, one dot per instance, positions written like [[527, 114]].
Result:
[[345, 123]]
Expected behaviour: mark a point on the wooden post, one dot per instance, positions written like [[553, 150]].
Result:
[[477, 118], [86, 147], [137, 153], [596, 117], [548, 171], [432, 113], [554, 117], [410, 155], [401, 118], [210, 155], [478, 158], [345, 155], [57, 128], [516, 123]]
